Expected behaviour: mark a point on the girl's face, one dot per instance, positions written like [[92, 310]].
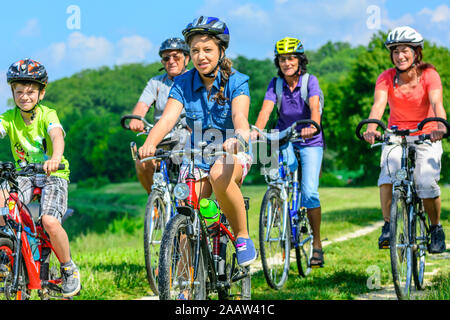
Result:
[[403, 57], [205, 53], [288, 64], [26, 96]]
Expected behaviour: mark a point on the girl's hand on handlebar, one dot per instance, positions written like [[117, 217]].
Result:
[[231, 145], [254, 135]]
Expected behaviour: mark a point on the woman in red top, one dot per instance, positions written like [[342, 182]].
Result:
[[413, 91]]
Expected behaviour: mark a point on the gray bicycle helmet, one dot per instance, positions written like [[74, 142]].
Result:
[[174, 44]]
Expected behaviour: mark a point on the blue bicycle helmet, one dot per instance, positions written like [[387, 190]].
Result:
[[174, 44], [208, 25]]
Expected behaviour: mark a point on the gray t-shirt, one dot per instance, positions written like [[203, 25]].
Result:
[[157, 91]]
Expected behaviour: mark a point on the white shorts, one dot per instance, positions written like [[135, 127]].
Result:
[[428, 166]]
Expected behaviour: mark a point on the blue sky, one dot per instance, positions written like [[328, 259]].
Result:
[[113, 32]]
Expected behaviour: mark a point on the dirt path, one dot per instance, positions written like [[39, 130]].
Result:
[[257, 266]]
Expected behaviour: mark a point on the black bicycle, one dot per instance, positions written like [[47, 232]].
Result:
[[409, 224]]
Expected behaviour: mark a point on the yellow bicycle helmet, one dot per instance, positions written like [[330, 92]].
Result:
[[288, 45]]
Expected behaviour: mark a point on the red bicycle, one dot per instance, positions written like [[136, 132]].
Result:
[[195, 259], [27, 259]]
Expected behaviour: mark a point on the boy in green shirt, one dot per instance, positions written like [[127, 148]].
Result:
[[37, 136]]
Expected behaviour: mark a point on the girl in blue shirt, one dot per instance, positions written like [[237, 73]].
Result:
[[217, 100]]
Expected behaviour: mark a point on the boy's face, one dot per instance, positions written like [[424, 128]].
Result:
[[27, 96]]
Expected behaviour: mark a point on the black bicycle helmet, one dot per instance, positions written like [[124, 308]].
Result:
[[27, 70], [174, 44]]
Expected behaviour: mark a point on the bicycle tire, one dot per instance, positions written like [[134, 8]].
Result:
[[6, 264], [400, 249], [422, 240], [275, 252], [174, 269], [304, 253], [154, 224]]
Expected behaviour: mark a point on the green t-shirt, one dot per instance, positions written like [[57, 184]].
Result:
[[32, 143]]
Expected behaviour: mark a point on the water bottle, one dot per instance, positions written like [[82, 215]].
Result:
[[209, 211], [34, 244]]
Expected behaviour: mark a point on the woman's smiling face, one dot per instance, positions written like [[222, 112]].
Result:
[[205, 53], [403, 57]]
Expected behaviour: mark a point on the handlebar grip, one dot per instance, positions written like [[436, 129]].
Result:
[[425, 121], [131, 117], [367, 121], [39, 167]]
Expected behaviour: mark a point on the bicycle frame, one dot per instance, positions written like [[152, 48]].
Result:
[[21, 217], [200, 229], [291, 195]]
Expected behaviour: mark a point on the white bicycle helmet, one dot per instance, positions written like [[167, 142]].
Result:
[[404, 35]]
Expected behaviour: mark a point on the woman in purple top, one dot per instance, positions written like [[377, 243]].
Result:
[[291, 63]]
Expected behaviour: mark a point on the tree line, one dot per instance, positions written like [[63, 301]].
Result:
[[90, 104]]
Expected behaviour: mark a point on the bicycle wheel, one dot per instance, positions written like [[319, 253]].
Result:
[[400, 249], [155, 217], [304, 250], [238, 278], [177, 277], [274, 248], [7, 273], [420, 233]]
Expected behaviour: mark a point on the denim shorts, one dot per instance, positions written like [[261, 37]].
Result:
[[310, 164]]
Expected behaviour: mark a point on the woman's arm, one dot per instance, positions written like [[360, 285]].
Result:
[[239, 114], [167, 121], [435, 97], [377, 111], [314, 106]]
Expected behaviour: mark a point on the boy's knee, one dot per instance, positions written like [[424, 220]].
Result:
[[51, 224]]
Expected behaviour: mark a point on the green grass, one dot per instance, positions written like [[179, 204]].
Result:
[[106, 235]]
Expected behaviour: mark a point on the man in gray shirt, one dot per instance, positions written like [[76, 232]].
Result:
[[174, 54]]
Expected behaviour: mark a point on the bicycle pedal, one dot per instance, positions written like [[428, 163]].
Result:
[[384, 245]]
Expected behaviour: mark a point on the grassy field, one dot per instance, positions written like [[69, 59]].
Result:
[[107, 243]]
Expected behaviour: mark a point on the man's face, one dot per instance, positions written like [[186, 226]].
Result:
[[174, 62]]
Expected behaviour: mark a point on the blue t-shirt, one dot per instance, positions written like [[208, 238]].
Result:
[[209, 121]]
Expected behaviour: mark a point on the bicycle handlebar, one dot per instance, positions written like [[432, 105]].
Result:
[[8, 168], [398, 132], [288, 133]]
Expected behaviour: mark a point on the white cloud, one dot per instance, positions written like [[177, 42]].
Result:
[[31, 28], [80, 51], [133, 49], [440, 14]]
